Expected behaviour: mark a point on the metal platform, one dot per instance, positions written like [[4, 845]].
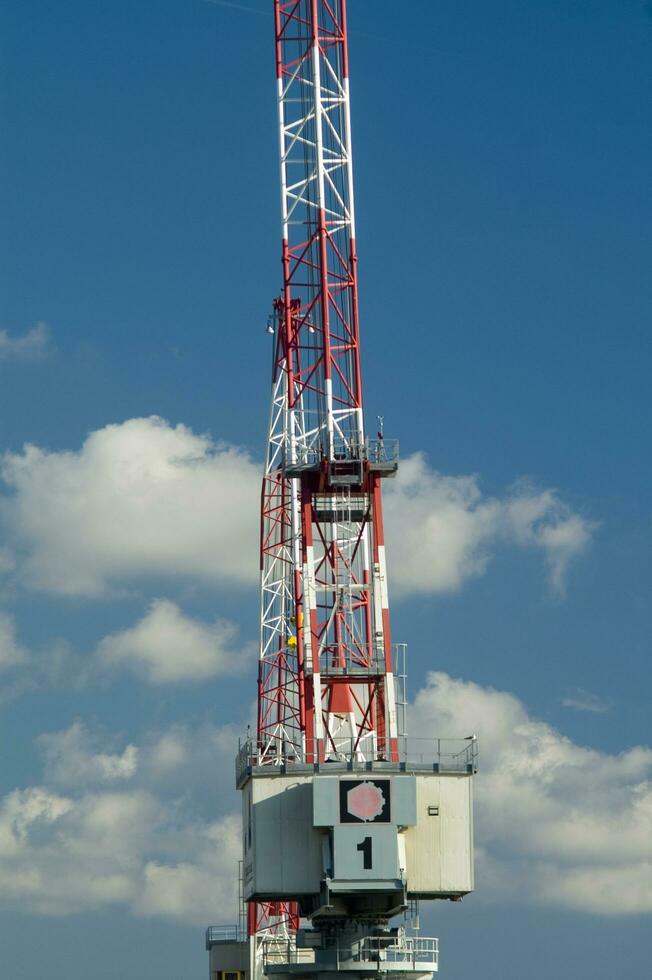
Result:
[[439, 755], [349, 461], [396, 955]]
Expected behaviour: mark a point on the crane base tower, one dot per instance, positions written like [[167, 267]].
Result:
[[354, 844]]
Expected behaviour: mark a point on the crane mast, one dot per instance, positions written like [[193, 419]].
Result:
[[346, 822], [325, 682]]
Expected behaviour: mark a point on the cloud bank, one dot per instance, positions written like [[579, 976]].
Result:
[[112, 828], [71, 759], [138, 499], [61, 855], [166, 646], [442, 530], [557, 823]]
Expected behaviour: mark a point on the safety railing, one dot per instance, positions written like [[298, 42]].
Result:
[[408, 950], [224, 934], [416, 953], [354, 666], [381, 450], [374, 451], [445, 755], [276, 952]]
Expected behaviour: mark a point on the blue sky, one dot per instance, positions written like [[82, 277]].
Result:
[[502, 159]]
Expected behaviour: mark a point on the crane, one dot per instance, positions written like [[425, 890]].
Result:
[[327, 693]]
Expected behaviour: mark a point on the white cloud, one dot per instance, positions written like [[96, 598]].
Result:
[[540, 519], [166, 646], [180, 757], [33, 345], [201, 888], [22, 810], [173, 761], [120, 834], [442, 530], [563, 824], [65, 855], [624, 889], [11, 653], [586, 701], [140, 498], [438, 528], [72, 759]]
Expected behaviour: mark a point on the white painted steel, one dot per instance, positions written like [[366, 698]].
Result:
[[439, 848], [316, 174]]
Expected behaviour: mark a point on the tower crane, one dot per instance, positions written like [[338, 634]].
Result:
[[346, 823]]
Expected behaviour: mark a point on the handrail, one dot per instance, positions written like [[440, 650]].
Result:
[[402, 949], [224, 934], [446, 755], [372, 450], [410, 951]]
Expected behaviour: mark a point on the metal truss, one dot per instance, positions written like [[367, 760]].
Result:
[[280, 720], [325, 672], [325, 683], [319, 257]]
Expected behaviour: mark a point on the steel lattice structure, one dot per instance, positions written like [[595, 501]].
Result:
[[325, 680], [325, 685]]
